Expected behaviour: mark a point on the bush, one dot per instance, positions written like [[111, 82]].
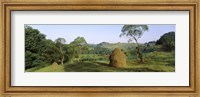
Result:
[[33, 60]]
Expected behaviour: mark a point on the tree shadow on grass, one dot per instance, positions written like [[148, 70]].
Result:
[[103, 64], [171, 63], [102, 67], [142, 69], [83, 67]]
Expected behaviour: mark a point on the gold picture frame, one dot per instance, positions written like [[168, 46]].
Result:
[[120, 5]]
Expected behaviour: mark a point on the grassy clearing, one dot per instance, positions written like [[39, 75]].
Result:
[[154, 61], [32, 69], [104, 67], [59, 68]]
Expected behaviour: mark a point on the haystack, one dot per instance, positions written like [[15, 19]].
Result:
[[117, 58], [54, 66]]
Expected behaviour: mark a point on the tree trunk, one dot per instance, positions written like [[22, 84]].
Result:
[[79, 54], [62, 55], [139, 52], [62, 60]]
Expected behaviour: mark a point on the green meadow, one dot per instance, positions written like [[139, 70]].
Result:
[[155, 61]]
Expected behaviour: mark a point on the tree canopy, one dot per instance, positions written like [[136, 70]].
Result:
[[167, 41], [60, 42], [134, 32], [40, 51], [35, 47], [79, 45]]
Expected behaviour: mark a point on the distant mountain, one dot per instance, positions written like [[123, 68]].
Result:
[[112, 46]]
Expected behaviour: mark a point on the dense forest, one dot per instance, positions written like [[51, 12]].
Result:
[[45, 55]]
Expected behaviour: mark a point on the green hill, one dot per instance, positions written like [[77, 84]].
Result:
[[112, 46]]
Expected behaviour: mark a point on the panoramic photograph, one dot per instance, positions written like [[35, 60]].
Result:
[[99, 47]]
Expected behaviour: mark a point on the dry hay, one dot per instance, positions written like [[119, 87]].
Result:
[[117, 58], [54, 66]]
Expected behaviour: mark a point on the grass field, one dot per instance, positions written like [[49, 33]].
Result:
[[154, 62], [59, 68]]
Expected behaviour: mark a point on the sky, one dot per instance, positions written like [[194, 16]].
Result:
[[95, 34]]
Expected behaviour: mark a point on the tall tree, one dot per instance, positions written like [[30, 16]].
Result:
[[59, 42], [81, 44], [52, 51], [134, 32], [34, 48]]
